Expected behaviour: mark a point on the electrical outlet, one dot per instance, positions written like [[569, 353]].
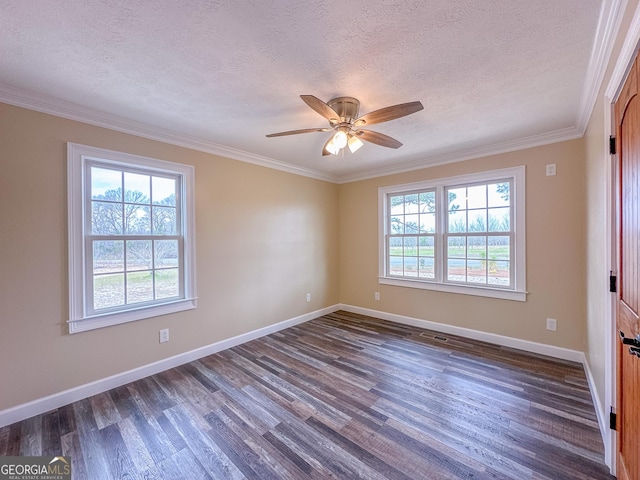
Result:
[[376, 295], [308, 297], [164, 335], [552, 324], [551, 169]]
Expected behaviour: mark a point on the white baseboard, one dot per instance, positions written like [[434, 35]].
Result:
[[57, 400], [601, 413], [540, 348]]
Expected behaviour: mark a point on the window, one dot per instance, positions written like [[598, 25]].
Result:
[[460, 234], [131, 237]]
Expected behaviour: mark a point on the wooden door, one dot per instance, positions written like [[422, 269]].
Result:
[[627, 113]]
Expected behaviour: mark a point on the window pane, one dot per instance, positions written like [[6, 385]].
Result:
[[499, 194], [426, 246], [456, 270], [410, 267], [477, 196], [499, 248], [457, 247], [395, 266], [166, 253], [458, 221], [499, 219], [108, 256], [395, 246], [427, 223], [426, 267], [477, 220], [476, 271], [477, 247], [457, 198], [139, 287], [106, 218], [137, 188], [397, 224], [167, 284], [411, 223], [411, 203], [396, 204], [499, 273], [411, 246], [137, 220], [428, 202], [106, 184], [164, 220], [108, 291], [139, 255], [163, 191]]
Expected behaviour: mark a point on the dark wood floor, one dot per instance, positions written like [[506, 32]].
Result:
[[343, 396]]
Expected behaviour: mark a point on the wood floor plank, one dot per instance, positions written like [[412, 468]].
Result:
[[31, 442], [208, 453], [182, 465], [4, 440], [70, 443], [342, 396], [116, 454], [138, 451], [51, 436]]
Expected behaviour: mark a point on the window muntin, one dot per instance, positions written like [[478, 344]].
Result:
[[131, 237], [473, 243]]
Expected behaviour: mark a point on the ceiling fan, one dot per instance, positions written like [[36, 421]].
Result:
[[342, 114]]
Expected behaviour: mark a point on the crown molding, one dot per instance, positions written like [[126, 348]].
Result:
[[625, 58], [72, 111], [555, 136], [611, 15]]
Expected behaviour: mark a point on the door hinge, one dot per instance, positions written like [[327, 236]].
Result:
[[613, 286], [612, 145], [612, 420]]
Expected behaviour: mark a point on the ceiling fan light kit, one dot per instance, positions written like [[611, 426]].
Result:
[[342, 114]]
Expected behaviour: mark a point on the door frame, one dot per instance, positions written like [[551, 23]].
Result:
[[621, 68]]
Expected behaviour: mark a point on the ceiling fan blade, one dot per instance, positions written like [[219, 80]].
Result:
[[378, 138], [322, 108], [389, 113], [295, 132]]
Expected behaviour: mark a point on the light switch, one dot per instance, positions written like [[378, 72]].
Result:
[[551, 169]]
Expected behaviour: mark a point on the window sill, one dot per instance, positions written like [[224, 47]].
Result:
[[519, 296], [116, 318]]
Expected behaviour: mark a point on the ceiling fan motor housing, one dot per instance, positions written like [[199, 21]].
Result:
[[346, 107]]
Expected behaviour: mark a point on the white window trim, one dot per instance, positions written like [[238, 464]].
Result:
[[519, 293], [77, 157]]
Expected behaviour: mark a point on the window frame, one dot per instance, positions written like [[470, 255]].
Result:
[[518, 244], [79, 160]]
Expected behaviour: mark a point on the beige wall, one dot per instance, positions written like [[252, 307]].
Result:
[[555, 214], [264, 239]]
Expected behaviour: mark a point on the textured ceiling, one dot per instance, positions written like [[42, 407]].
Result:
[[490, 74]]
